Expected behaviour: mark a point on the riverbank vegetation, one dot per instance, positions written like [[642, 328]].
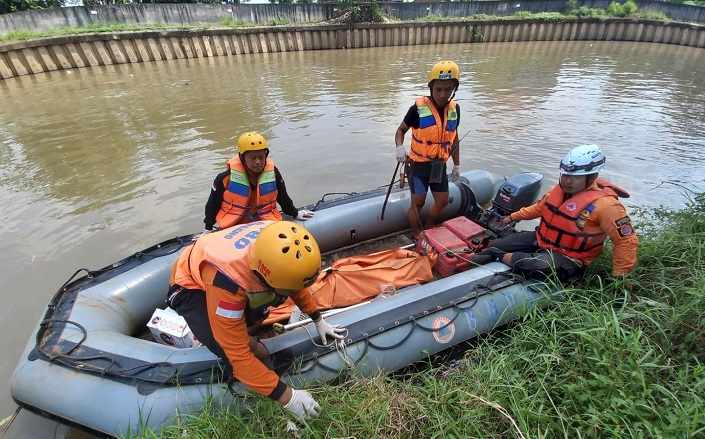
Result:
[[233, 23], [355, 12], [616, 358], [628, 9], [227, 22]]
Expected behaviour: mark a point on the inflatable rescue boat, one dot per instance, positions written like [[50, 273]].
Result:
[[89, 347]]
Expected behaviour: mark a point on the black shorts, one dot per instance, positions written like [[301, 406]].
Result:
[[420, 174]]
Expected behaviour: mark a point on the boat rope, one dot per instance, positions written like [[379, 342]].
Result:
[[340, 347], [323, 198], [6, 423], [459, 306], [342, 350], [67, 358]]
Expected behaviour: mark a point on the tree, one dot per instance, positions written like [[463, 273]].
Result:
[[22, 5]]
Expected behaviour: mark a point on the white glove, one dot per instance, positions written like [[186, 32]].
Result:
[[455, 174], [304, 215], [401, 153], [325, 329], [302, 405]]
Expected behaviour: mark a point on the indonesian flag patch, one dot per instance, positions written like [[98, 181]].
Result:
[[230, 310]]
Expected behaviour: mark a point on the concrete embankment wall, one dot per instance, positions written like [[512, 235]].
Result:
[[38, 56], [265, 14], [165, 13]]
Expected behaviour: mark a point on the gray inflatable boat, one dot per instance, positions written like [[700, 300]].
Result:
[[87, 348]]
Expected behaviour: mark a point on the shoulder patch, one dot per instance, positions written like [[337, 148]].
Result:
[[624, 226], [622, 221]]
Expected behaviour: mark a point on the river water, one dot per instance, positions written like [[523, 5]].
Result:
[[98, 163]]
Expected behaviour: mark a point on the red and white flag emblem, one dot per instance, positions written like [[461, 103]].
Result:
[[230, 310]]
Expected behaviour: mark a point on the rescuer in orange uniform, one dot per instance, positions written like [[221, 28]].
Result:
[[222, 283], [434, 123], [577, 216], [249, 189]]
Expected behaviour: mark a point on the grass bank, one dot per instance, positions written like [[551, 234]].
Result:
[[616, 11], [582, 12], [615, 359], [227, 22]]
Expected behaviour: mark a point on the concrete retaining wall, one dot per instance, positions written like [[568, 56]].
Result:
[[192, 13], [61, 53], [167, 13]]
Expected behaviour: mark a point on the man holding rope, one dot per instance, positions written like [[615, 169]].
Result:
[[434, 124]]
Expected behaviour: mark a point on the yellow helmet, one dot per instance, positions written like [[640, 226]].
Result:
[[444, 70], [286, 255], [251, 141]]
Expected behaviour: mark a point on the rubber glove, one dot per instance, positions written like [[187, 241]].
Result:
[[455, 174], [325, 330], [302, 405], [304, 214], [401, 153]]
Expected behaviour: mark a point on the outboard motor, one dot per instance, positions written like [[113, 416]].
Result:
[[517, 191]]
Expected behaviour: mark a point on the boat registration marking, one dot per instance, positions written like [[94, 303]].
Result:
[[443, 329]]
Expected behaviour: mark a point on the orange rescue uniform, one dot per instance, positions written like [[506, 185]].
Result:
[[576, 226], [227, 253]]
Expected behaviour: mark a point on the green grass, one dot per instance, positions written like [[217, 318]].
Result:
[[618, 10], [103, 28], [98, 28], [653, 15], [231, 22], [616, 358], [279, 22]]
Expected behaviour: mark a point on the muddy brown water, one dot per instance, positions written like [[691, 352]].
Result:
[[99, 163]]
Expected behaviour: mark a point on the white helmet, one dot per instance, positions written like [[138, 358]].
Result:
[[583, 160]]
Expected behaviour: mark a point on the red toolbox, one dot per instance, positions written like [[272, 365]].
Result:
[[453, 253], [474, 235]]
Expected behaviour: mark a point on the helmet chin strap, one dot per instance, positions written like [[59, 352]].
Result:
[[455, 90], [452, 96]]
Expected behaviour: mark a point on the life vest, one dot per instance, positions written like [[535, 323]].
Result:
[[564, 226], [240, 205], [434, 137], [228, 250]]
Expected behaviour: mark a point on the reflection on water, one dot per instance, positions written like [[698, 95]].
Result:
[[96, 164]]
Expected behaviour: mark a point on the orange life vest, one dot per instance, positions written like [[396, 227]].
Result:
[[434, 137], [564, 227], [228, 251], [240, 204]]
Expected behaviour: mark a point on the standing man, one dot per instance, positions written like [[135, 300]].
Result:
[[434, 123], [577, 216], [249, 189], [221, 283]]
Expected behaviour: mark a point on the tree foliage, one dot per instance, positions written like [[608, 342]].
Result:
[[22, 5]]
